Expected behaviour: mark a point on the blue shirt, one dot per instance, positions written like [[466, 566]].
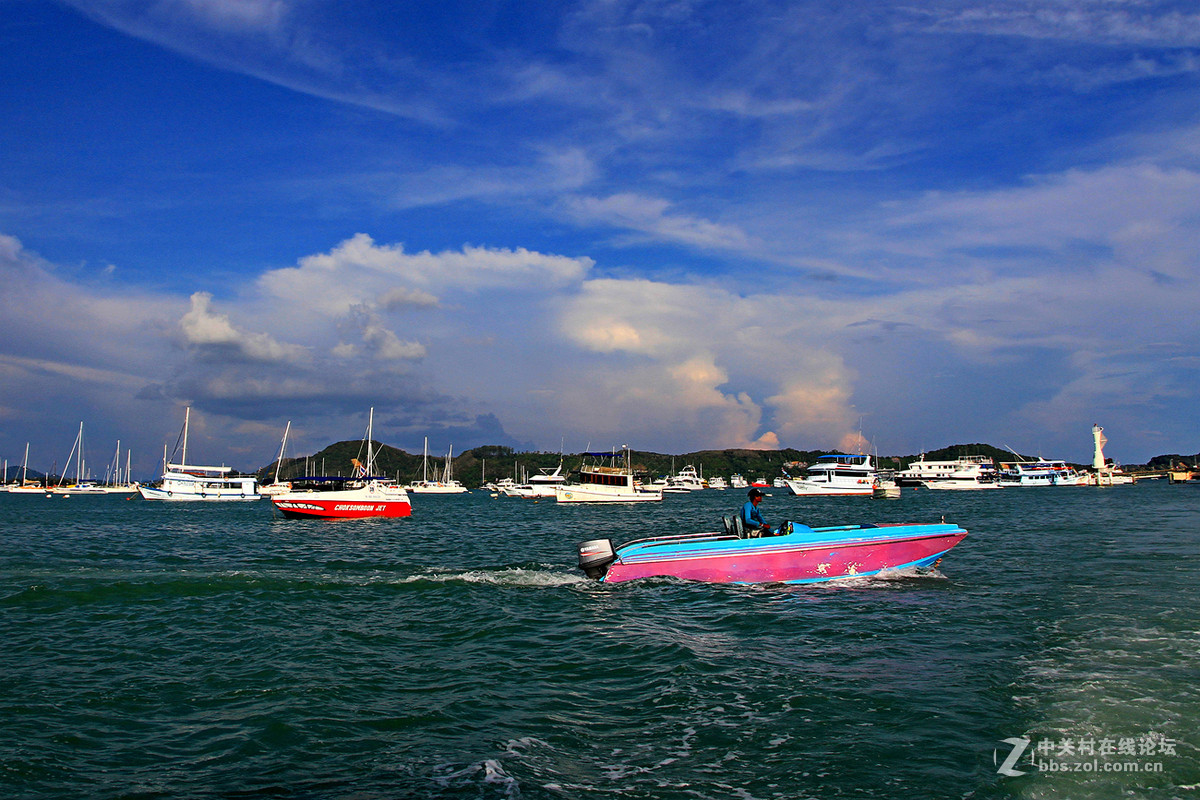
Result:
[[751, 517]]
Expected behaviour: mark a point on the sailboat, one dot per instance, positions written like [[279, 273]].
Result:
[[80, 486], [363, 495], [445, 485], [275, 487], [26, 486], [119, 485], [185, 481]]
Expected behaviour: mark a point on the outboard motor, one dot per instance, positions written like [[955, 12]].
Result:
[[595, 556]]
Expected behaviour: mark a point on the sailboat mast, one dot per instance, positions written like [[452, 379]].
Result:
[[186, 416], [282, 445], [370, 433], [79, 456]]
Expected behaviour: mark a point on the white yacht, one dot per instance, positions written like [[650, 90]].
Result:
[[184, 481], [838, 474], [540, 485], [686, 480], [612, 482], [965, 472]]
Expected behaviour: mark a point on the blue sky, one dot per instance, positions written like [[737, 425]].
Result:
[[672, 225]]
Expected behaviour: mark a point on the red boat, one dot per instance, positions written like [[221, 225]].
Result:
[[359, 499], [362, 496]]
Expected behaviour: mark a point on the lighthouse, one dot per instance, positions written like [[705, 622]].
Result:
[[1098, 452]]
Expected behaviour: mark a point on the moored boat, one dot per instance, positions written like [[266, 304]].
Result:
[[964, 472], [837, 474], [81, 485], [686, 480], [184, 481], [1040, 473], [25, 485], [444, 485], [361, 496], [612, 482], [798, 555], [277, 486]]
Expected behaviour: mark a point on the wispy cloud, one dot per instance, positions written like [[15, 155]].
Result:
[[654, 218]]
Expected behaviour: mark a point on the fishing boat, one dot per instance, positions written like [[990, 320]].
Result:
[[797, 554], [184, 481], [837, 474], [609, 479], [358, 497]]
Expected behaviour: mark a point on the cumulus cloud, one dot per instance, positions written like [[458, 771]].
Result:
[[207, 331], [694, 351], [359, 272]]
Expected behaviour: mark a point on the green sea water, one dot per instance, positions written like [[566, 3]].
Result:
[[158, 650]]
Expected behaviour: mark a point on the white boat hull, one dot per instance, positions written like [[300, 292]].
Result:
[[963, 485], [589, 494], [207, 495], [436, 488], [812, 489]]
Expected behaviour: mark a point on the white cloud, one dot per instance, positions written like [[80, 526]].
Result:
[[1101, 21], [652, 217], [1137, 209], [203, 329], [360, 272]]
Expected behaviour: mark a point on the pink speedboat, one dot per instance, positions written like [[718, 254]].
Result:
[[798, 554]]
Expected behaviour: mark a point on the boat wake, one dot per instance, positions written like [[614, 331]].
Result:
[[530, 575]]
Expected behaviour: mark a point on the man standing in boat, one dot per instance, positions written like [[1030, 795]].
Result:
[[752, 519]]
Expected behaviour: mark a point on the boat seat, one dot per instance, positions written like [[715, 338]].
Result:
[[739, 527], [727, 525]]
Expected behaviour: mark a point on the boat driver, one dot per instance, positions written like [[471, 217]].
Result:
[[752, 519]]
